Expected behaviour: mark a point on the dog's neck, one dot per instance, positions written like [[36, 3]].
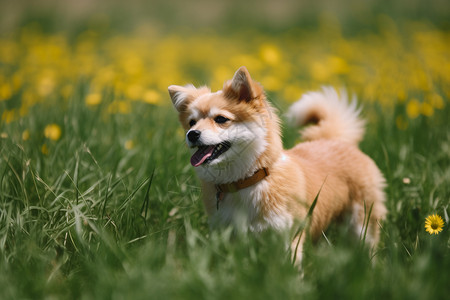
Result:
[[240, 184], [243, 183]]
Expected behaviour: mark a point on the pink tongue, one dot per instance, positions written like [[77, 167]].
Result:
[[201, 155]]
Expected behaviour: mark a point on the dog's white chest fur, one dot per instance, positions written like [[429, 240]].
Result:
[[243, 209]]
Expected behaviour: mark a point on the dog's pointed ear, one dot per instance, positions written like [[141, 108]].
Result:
[[182, 95], [241, 86]]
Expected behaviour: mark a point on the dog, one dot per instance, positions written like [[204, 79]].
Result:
[[249, 180]]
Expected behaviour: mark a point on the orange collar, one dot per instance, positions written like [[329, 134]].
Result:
[[240, 184]]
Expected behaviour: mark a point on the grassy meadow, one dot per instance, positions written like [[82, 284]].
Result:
[[98, 199]]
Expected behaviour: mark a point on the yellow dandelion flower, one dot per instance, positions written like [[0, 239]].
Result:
[[434, 224], [129, 144], [436, 101], [413, 108], [9, 115], [45, 85], [52, 132], [151, 96], [401, 95], [134, 91], [121, 107], [26, 135], [93, 99], [320, 71], [270, 54], [5, 92], [16, 81], [338, 65], [44, 149], [427, 109]]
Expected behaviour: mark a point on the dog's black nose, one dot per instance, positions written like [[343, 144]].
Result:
[[193, 135]]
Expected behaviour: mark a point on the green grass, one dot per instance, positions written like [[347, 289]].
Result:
[[94, 220]]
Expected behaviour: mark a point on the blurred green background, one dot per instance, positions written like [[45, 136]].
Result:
[[272, 16]]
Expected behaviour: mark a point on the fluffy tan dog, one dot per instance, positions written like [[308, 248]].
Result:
[[248, 178]]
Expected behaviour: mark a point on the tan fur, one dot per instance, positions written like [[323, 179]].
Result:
[[349, 179]]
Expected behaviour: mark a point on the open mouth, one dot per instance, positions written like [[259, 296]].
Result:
[[206, 154]]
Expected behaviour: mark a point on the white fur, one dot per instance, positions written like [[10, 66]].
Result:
[[180, 96], [242, 208], [195, 114], [247, 143], [356, 221], [339, 117]]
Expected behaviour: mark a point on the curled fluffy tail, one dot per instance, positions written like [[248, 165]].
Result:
[[332, 116]]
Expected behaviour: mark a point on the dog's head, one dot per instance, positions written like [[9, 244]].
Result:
[[228, 130]]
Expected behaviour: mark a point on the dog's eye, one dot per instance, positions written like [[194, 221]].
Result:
[[192, 123], [221, 119]]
